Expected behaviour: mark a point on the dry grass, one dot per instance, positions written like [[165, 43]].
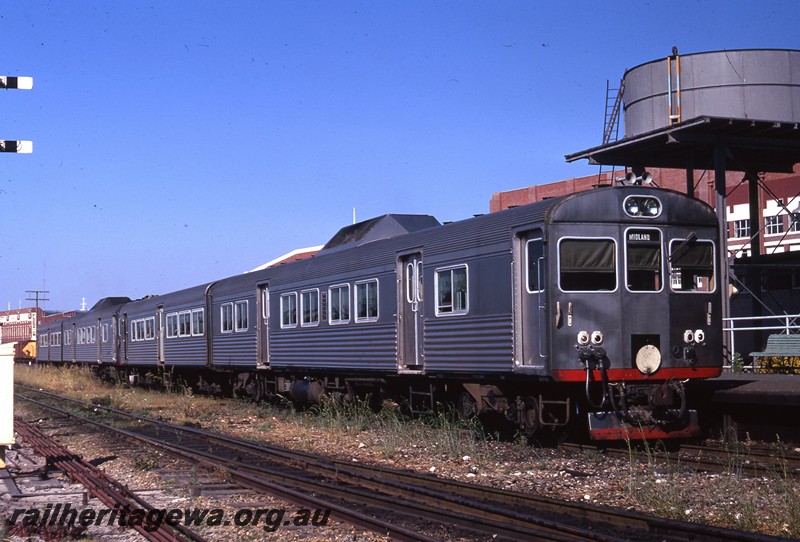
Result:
[[386, 431], [768, 503]]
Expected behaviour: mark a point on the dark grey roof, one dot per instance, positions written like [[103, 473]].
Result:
[[382, 227], [754, 145], [107, 302]]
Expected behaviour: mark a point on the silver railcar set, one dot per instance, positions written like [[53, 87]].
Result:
[[588, 312]]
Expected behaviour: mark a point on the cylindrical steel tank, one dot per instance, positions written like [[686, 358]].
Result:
[[757, 84]]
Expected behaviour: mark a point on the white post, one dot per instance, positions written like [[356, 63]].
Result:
[[6, 399]]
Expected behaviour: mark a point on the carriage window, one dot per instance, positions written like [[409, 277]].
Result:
[[410, 273], [137, 330], [587, 265], [68, 337], [198, 322], [150, 328], [451, 290], [185, 324], [692, 265], [420, 281], [226, 317], [309, 307], [339, 299], [265, 303], [172, 325], [534, 255], [289, 310], [241, 316], [414, 281], [643, 260], [367, 301]]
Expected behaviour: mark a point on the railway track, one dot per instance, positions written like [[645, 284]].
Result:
[[108, 491], [753, 461], [740, 460], [377, 492]]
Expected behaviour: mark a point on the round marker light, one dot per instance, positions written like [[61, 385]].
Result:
[[688, 336], [699, 336], [651, 207], [597, 337], [632, 206], [583, 338]]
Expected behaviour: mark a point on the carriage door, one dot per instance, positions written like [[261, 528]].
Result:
[[262, 334], [62, 346], [161, 334], [531, 314], [99, 336], [410, 312], [123, 336], [74, 346], [114, 339]]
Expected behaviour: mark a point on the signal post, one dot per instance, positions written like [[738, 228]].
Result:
[[7, 354]]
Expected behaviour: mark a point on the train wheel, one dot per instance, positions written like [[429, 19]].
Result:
[[467, 407], [263, 390], [256, 390], [529, 417]]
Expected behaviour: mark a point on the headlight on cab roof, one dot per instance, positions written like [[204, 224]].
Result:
[[642, 206]]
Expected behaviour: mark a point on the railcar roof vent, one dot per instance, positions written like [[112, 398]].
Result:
[[382, 227], [110, 302]]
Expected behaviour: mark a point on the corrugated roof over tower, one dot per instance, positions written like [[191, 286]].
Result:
[[756, 84]]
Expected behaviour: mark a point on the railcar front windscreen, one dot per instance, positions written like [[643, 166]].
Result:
[[692, 265], [587, 265], [643, 260]]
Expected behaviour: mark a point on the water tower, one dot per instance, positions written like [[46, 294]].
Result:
[[720, 111]]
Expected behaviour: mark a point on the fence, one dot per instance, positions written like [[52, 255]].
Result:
[[783, 323]]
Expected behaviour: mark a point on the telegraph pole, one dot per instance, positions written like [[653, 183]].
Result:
[[36, 294]]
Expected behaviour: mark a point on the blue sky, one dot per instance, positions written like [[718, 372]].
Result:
[[178, 142]]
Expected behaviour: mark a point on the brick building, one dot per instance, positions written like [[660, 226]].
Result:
[[19, 324]]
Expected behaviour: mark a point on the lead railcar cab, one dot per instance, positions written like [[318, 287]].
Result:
[[619, 303]]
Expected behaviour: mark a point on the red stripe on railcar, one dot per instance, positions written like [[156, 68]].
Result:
[[615, 375]]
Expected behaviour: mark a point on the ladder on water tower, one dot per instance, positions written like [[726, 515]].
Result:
[[611, 122]]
